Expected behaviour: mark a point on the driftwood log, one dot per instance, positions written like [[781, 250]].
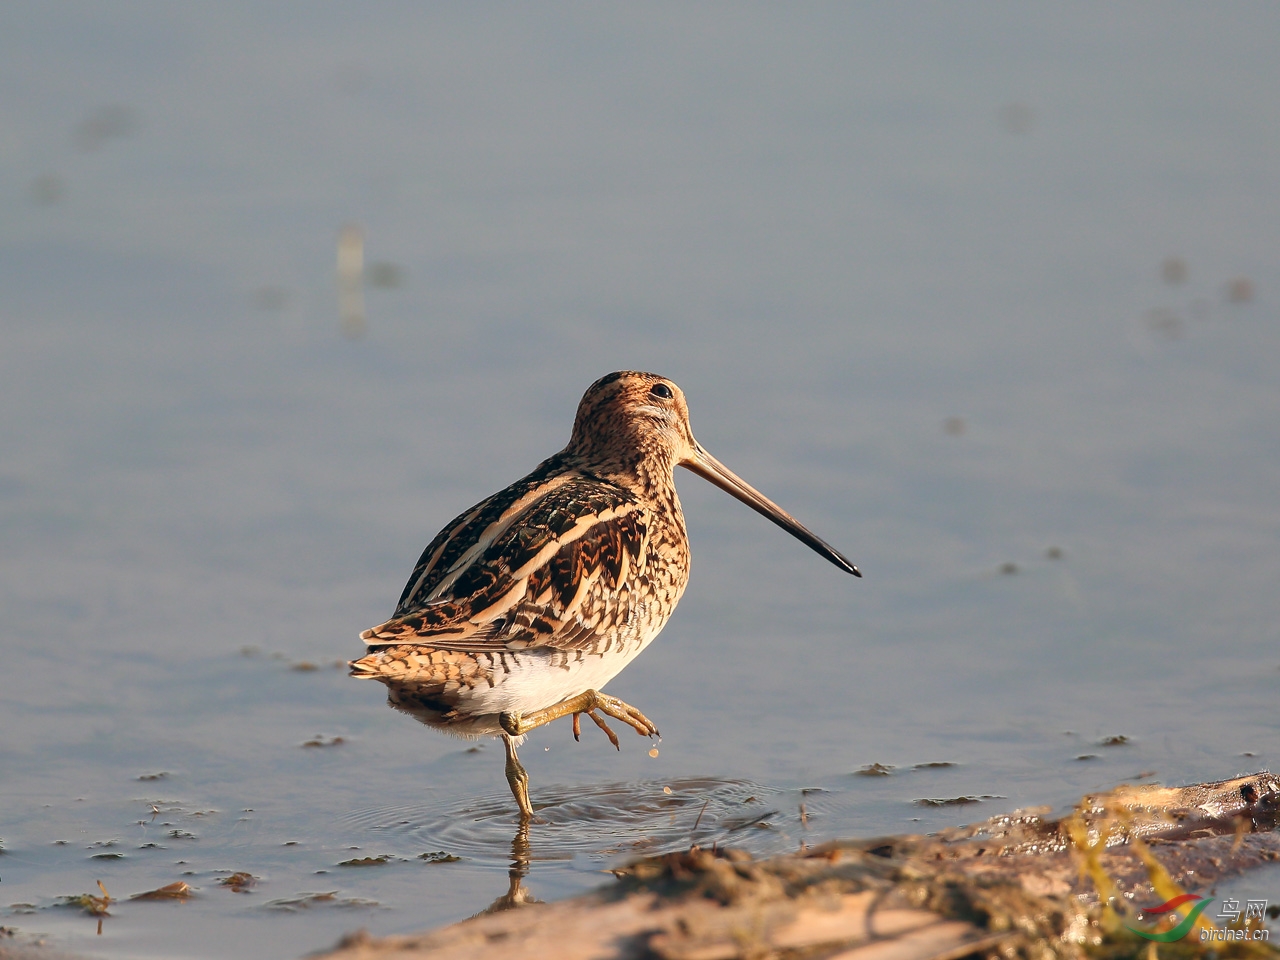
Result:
[[1018, 885]]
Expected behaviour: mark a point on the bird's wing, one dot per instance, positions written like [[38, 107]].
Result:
[[546, 574], [474, 530]]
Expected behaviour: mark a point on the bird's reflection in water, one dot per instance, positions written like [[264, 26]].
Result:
[[517, 895]]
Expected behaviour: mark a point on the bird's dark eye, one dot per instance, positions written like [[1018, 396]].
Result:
[[661, 391]]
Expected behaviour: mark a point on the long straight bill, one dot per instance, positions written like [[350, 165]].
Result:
[[708, 467]]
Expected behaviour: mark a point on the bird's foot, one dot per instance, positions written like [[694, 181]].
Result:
[[599, 722], [620, 710], [517, 724]]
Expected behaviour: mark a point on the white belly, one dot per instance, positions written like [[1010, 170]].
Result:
[[537, 680]]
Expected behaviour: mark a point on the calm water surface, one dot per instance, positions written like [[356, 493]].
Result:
[[987, 300]]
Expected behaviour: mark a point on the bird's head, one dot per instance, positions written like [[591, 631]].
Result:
[[634, 428]]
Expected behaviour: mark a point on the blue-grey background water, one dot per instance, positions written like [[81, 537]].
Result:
[[984, 294]]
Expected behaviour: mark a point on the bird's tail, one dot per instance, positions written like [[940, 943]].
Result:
[[413, 662], [367, 667]]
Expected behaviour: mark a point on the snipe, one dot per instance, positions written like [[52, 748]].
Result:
[[526, 605]]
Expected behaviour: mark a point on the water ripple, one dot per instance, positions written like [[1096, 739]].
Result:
[[601, 822]]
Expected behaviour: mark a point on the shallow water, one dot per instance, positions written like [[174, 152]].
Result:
[[986, 299]]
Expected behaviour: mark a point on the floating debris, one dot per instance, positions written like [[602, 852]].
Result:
[[94, 906], [162, 775], [439, 856], [302, 901], [705, 804], [179, 890], [952, 801], [934, 765], [239, 882], [1119, 740], [305, 901], [875, 770], [760, 822], [367, 861], [319, 741]]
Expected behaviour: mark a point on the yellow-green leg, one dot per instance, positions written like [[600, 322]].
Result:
[[517, 779], [517, 724]]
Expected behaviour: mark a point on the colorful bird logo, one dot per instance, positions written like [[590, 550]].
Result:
[[1183, 928]]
